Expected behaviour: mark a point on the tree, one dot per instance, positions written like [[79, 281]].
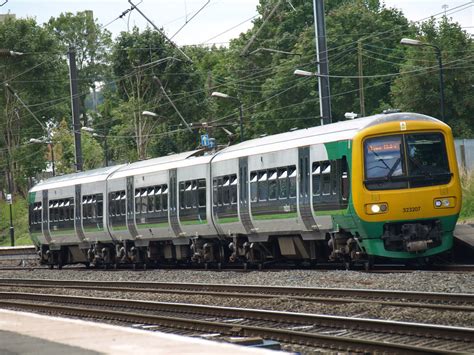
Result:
[[277, 100], [92, 44], [137, 58], [417, 89], [38, 77], [64, 152]]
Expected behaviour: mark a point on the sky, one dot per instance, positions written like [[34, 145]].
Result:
[[218, 22]]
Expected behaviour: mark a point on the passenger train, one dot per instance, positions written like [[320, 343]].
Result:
[[385, 186]]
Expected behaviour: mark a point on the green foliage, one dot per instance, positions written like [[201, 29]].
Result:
[[467, 211], [273, 99], [64, 150], [38, 77], [418, 90], [20, 222]]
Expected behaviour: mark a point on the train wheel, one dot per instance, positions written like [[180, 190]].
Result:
[[347, 265], [369, 264], [51, 266], [246, 266], [219, 266]]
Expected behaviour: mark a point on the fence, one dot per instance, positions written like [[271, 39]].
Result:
[[465, 153]]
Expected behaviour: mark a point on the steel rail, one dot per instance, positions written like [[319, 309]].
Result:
[[183, 316], [433, 300]]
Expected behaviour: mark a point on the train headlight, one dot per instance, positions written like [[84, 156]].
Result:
[[376, 208], [445, 202]]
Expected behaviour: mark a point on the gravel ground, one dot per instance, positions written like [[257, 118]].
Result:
[[413, 281], [427, 281], [361, 310]]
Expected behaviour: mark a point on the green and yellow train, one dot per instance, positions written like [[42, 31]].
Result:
[[385, 186]]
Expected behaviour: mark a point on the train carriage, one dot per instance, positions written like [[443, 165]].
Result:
[[381, 186]]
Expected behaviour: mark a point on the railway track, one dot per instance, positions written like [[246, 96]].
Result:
[[330, 332], [463, 302]]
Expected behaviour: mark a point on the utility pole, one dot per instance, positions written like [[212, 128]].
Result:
[[322, 60], [361, 79], [76, 124]]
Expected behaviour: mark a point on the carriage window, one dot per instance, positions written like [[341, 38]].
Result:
[[202, 192], [225, 190], [292, 180], [164, 197], [253, 186], [233, 189], [192, 193], [263, 185], [283, 183], [100, 205], [215, 197], [316, 173], [344, 180], [326, 177], [151, 199], [272, 184]]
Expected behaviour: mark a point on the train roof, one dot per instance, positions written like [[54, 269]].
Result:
[[193, 157], [338, 131], [342, 130], [82, 177]]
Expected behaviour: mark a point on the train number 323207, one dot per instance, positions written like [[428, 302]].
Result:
[[411, 209]]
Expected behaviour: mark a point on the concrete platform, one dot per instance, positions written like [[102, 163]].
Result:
[[28, 333]]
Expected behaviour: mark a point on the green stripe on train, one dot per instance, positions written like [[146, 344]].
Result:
[[152, 225], [225, 220], [193, 222], [275, 216]]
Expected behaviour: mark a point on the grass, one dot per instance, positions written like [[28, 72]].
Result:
[[20, 222], [467, 182]]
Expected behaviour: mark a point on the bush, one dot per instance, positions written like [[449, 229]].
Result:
[[20, 222], [467, 182]]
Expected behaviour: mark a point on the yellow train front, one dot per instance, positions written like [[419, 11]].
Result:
[[406, 189]]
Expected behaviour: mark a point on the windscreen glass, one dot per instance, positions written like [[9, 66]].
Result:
[[406, 161]]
